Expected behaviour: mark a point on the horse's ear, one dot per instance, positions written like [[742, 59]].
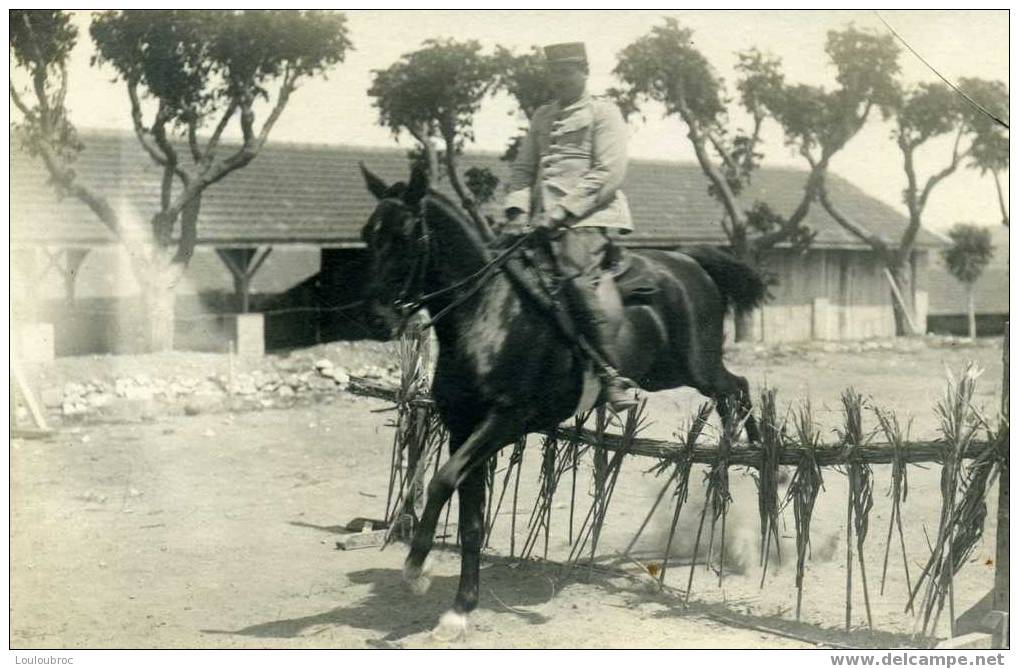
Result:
[[418, 186], [376, 186]]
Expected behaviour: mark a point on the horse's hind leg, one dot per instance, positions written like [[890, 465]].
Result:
[[746, 409], [731, 393]]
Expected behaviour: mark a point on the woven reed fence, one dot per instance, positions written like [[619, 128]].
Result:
[[972, 451]]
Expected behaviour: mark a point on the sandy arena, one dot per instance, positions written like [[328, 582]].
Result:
[[211, 521]]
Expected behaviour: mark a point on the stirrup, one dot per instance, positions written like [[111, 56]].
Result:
[[617, 391]]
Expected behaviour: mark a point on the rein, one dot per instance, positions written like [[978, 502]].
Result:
[[416, 277], [480, 277]]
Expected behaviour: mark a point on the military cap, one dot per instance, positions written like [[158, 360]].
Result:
[[568, 52]]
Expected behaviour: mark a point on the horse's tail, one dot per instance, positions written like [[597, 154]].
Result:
[[742, 286]]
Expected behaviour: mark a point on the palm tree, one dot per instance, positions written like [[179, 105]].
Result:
[[966, 259]]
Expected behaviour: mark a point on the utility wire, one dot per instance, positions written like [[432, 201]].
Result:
[[940, 76]]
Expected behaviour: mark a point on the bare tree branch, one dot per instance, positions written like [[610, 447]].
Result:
[[215, 171], [729, 201], [163, 141], [722, 152], [449, 135], [98, 204], [915, 198], [39, 76], [791, 225], [247, 121], [213, 143], [424, 138], [864, 235], [196, 151], [29, 115], [288, 86], [723, 220], [933, 181], [139, 125], [61, 95]]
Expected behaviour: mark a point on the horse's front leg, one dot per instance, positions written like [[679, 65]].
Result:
[[453, 624], [495, 431]]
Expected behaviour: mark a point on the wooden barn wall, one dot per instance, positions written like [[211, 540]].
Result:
[[825, 294]]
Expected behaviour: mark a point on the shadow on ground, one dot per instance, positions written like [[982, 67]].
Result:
[[390, 611], [727, 613]]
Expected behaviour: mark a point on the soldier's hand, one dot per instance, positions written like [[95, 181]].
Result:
[[559, 218]]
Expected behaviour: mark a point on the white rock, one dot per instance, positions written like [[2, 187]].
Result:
[[97, 400], [73, 389], [73, 408], [143, 393], [245, 385], [285, 391]]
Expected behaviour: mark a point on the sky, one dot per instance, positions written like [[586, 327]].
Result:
[[338, 110]]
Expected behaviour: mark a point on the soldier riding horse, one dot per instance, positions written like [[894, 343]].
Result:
[[507, 365], [505, 368]]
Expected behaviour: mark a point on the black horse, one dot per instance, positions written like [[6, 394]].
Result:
[[505, 368]]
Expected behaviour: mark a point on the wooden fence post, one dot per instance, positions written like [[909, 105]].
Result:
[[1000, 600]]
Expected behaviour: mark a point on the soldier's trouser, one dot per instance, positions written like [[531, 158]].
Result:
[[580, 254]]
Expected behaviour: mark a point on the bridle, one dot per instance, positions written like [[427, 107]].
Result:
[[411, 299]]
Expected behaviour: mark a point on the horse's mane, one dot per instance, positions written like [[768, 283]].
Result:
[[451, 210]]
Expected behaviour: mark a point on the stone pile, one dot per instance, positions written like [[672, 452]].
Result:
[[281, 381]]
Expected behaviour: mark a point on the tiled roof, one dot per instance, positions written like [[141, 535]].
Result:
[[294, 193]]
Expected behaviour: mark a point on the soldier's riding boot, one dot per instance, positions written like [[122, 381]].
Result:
[[600, 333]]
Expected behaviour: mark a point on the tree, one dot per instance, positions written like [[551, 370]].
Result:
[[966, 259], [525, 78], [434, 93], [191, 71], [989, 150], [923, 114], [665, 67], [482, 184]]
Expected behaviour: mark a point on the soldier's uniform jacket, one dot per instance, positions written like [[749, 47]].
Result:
[[574, 157]]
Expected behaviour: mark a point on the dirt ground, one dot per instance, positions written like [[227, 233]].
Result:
[[162, 530]]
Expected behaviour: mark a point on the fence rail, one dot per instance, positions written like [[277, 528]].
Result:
[[793, 441], [741, 455]]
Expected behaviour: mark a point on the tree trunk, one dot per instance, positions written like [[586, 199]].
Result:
[[744, 322], [744, 326], [902, 300], [971, 311], [159, 300]]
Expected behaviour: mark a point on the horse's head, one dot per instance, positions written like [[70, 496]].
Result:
[[396, 236]]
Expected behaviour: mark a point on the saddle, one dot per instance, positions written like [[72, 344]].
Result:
[[634, 283]]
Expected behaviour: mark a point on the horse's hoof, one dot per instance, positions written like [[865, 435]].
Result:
[[452, 627], [418, 579]]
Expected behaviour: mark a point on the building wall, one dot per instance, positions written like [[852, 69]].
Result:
[[820, 294], [106, 272], [106, 314], [826, 294]]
